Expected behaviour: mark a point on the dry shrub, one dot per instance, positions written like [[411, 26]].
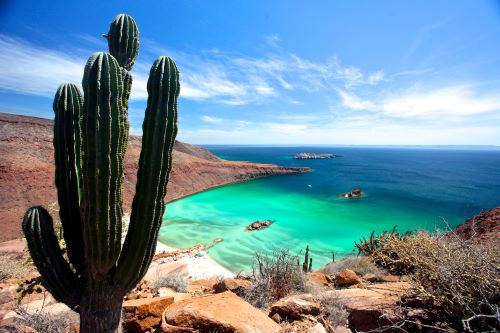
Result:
[[462, 277], [276, 276], [12, 267], [44, 322], [333, 310], [174, 280], [360, 264]]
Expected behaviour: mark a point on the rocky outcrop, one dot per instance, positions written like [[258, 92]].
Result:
[[140, 315], [308, 156], [237, 286], [222, 313], [483, 227], [258, 225], [296, 307], [371, 307], [27, 170]]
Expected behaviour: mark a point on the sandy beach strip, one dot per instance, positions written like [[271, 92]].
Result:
[[193, 264]]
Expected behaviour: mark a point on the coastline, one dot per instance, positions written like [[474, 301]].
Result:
[[194, 264]]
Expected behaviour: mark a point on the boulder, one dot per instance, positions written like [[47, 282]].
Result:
[[237, 286], [320, 279], [141, 315], [296, 307], [371, 307], [223, 313], [347, 278]]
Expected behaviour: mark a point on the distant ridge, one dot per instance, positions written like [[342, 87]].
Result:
[[27, 170]]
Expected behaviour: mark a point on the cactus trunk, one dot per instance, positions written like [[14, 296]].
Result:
[[101, 311], [90, 140]]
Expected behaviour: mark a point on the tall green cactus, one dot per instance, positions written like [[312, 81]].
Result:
[[90, 138]]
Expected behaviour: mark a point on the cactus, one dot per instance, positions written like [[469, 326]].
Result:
[[90, 137], [307, 264]]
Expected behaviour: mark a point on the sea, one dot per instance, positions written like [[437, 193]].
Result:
[[409, 188]]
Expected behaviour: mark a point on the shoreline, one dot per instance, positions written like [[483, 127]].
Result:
[[194, 263], [296, 171]]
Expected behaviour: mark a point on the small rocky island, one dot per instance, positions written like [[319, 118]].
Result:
[[258, 225], [355, 193], [307, 156]]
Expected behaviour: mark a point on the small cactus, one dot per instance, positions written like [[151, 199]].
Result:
[[90, 139], [307, 264]]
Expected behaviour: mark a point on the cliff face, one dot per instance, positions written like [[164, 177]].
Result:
[[27, 170]]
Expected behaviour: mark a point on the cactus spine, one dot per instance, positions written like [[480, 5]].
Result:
[[90, 137]]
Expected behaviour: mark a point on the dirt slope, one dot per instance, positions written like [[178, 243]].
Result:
[[27, 170]]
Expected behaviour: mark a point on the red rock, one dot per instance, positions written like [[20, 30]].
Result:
[[202, 285], [369, 308], [223, 313], [483, 227], [141, 315], [320, 279], [235, 285], [296, 307], [347, 278]]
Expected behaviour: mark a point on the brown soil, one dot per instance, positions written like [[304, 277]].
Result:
[[27, 170]]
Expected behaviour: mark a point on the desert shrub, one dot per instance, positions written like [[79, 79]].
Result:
[[333, 310], [12, 267], [460, 276], [44, 322], [276, 275], [174, 280], [360, 264]]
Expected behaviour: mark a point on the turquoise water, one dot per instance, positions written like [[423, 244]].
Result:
[[410, 188]]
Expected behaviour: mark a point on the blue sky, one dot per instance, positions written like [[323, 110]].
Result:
[[279, 72]]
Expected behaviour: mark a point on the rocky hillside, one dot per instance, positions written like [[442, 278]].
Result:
[[27, 170], [484, 227]]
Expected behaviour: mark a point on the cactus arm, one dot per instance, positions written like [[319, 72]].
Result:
[[123, 40], [56, 273], [102, 159], [68, 103], [159, 131]]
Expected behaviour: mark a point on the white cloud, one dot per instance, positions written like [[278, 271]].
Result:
[[351, 101], [208, 75], [211, 120], [450, 101], [33, 70], [355, 133]]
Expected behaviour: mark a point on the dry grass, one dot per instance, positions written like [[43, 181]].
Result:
[[12, 267], [172, 280], [44, 322], [462, 277], [276, 276], [360, 264], [333, 312]]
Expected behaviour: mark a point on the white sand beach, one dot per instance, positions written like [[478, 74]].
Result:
[[193, 263]]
